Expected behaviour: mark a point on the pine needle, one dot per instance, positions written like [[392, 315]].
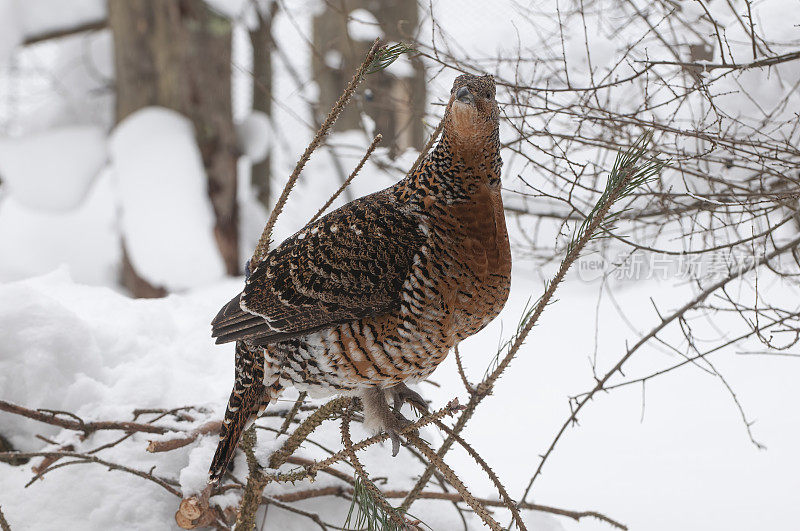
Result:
[[388, 55], [366, 514], [629, 172]]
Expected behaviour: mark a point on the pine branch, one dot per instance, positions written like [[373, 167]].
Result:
[[509, 503], [251, 499], [454, 480], [369, 509], [306, 428], [626, 175], [449, 409], [388, 55], [287, 422]]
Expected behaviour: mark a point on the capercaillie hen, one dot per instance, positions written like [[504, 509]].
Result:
[[373, 295]]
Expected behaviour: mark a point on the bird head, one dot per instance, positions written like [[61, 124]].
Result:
[[473, 110]]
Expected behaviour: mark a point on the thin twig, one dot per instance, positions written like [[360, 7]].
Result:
[[86, 458], [208, 428], [699, 298], [428, 144], [263, 243], [761, 63], [350, 178]]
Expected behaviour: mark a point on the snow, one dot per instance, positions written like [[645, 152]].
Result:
[[253, 136], [233, 9], [103, 355], [167, 221], [333, 59], [96, 352], [194, 476], [401, 67], [10, 32], [100, 351], [363, 26], [52, 170], [83, 64], [85, 239]]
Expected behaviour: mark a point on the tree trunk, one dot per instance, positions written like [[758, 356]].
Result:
[[177, 54], [262, 44]]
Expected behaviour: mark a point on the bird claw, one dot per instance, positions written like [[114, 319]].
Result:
[[394, 432], [402, 394], [395, 438]]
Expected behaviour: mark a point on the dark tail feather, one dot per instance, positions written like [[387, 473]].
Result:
[[243, 408], [223, 455], [247, 399]]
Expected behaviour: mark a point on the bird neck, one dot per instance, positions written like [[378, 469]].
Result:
[[473, 153], [455, 168]]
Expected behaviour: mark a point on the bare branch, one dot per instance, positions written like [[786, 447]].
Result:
[[95, 25], [87, 428]]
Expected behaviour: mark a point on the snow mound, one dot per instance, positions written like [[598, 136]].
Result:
[[101, 355], [232, 9], [34, 242], [167, 221], [98, 353], [52, 170], [252, 135]]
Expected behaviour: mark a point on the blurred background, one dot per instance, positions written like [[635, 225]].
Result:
[[143, 143]]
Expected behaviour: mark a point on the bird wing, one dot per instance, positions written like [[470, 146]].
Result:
[[348, 265]]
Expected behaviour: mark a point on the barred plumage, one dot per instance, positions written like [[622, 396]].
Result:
[[376, 293]]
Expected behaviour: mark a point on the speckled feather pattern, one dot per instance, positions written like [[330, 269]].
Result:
[[377, 292]]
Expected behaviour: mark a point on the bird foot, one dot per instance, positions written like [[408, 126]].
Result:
[[378, 415]]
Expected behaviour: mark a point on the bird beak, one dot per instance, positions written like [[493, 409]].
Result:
[[465, 96]]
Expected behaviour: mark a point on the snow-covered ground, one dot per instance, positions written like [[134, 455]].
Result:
[[673, 454]]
